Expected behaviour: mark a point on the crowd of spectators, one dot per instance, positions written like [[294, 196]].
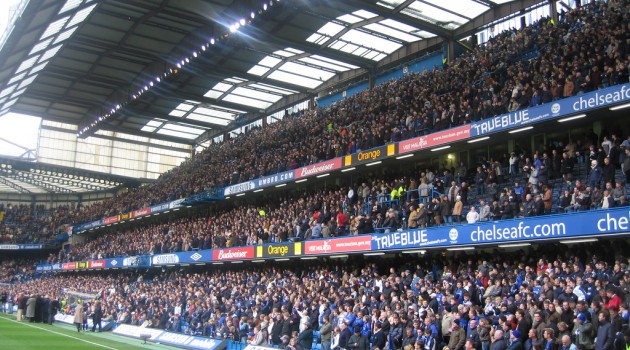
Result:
[[17, 270], [586, 50], [557, 179], [30, 224], [545, 298]]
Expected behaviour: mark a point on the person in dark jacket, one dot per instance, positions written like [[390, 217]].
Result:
[[499, 342], [97, 316], [408, 338], [605, 336], [379, 339], [53, 309], [515, 341], [622, 341], [358, 341], [276, 330], [344, 336], [305, 338]]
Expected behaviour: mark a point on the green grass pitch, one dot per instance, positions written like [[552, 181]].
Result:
[[35, 336]]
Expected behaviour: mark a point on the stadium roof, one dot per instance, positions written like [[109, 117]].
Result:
[[185, 71]]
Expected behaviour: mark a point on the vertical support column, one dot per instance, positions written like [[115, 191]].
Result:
[[553, 10], [372, 79]]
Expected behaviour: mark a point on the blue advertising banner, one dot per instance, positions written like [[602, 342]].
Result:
[[588, 223], [199, 256], [87, 226], [166, 206], [262, 182], [552, 110], [560, 226], [21, 246]]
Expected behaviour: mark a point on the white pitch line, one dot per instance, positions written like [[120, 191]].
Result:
[[65, 335]]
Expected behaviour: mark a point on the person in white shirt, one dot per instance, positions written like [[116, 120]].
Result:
[[334, 342], [472, 216]]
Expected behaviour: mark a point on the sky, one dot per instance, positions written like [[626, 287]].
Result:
[[16, 128]]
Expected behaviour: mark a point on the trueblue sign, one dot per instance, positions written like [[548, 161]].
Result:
[[588, 223], [553, 110]]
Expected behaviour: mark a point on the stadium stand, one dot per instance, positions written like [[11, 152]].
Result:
[[542, 297]]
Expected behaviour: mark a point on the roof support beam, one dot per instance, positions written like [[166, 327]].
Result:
[[402, 18], [219, 72], [141, 143], [167, 138], [277, 43], [46, 186], [179, 96], [130, 113], [494, 14], [13, 185]]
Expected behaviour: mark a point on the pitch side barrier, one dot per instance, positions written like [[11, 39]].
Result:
[[558, 227], [169, 338]]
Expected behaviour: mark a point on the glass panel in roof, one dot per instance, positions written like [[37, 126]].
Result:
[[69, 5], [364, 14], [390, 3], [348, 18], [295, 79], [247, 101], [50, 53], [236, 80], [213, 94], [295, 51], [258, 70], [371, 41], [81, 16], [269, 61], [176, 134], [184, 106], [155, 123], [27, 81], [183, 128], [283, 53], [27, 64], [222, 87], [176, 113], [148, 128], [434, 15], [41, 45], [259, 95], [330, 60], [217, 113], [54, 27], [317, 39], [272, 88], [65, 35], [408, 36], [8, 90], [19, 92], [466, 8], [16, 78], [38, 67], [207, 119], [331, 29], [303, 70]]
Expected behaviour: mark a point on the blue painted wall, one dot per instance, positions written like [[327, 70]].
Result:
[[429, 63]]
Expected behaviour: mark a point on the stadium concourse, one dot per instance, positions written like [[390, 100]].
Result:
[[542, 296]]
